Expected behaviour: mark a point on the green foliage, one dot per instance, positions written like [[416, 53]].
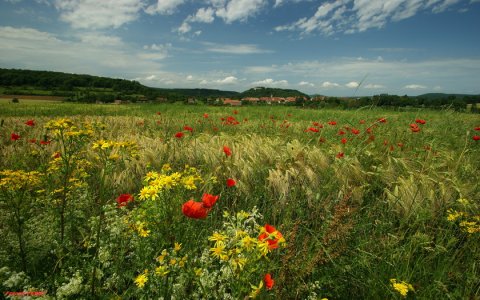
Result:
[[258, 92]]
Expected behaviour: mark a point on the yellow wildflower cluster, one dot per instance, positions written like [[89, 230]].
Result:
[[141, 228], [170, 261], [155, 183], [237, 245], [14, 180], [114, 150], [65, 128], [401, 287], [468, 221]]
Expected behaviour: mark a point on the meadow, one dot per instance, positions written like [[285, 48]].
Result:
[[198, 202]]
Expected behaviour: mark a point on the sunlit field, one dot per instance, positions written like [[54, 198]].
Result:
[[200, 202]]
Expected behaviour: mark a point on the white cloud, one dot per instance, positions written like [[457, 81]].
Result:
[[414, 87], [32, 49], [155, 51], [92, 14], [306, 83], [350, 16], [151, 77], [270, 82], [352, 84], [189, 77], [238, 10], [97, 39], [203, 15], [227, 80], [164, 7], [373, 86], [328, 84], [184, 28], [235, 49], [444, 5]]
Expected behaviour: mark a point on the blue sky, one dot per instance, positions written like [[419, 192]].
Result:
[[335, 47]]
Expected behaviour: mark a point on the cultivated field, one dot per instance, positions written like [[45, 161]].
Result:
[[198, 202]]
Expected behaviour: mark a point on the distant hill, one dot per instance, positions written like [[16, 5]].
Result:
[[442, 95], [267, 92], [201, 93]]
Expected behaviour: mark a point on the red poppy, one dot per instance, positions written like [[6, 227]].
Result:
[[188, 128], [312, 129], [194, 210], [179, 135], [14, 137], [414, 127], [227, 150], [340, 155], [45, 142], [382, 120], [316, 124], [344, 141], [420, 121], [30, 123], [231, 182], [33, 141], [477, 128], [269, 282], [400, 145], [341, 132], [159, 113], [209, 200], [355, 131], [476, 137], [362, 121], [235, 112], [271, 235], [332, 123], [123, 199], [205, 115], [57, 155]]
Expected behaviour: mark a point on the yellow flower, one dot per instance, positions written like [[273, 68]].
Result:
[[256, 290], [401, 287], [177, 247], [162, 271], [219, 251], [142, 279], [198, 271], [217, 237], [248, 243], [238, 263], [453, 215]]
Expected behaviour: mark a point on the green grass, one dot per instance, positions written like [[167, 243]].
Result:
[[350, 224]]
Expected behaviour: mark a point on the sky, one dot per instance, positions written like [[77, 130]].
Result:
[[332, 47]]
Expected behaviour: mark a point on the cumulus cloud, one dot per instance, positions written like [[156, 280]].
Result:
[[92, 14], [415, 87], [352, 84], [306, 83], [235, 48], [238, 10], [328, 84], [163, 7], [270, 82], [100, 55], [203, 15], [374, 86], [227, 80], [350, 16], [155, 52]]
